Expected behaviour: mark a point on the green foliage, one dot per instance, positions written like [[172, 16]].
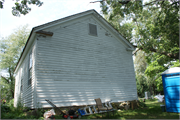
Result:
[[151, 110], [126, 28], [142, 104], [156, 24], [154, 28], [11, 104], [39, 110], [143, 82], [11, 48], [22, 6], [5, 108], [141, 87], [175, 63], [8, 111]]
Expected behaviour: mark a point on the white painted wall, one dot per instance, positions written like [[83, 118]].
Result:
[[74, 68], [28, 93]]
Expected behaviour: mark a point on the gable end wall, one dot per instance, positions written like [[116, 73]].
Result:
[[74, 68]]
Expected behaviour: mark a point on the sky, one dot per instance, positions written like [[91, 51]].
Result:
[[50, 10]]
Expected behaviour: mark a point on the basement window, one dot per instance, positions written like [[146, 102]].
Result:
[[92, 29]]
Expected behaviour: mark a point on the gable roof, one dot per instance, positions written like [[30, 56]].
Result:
[[38, 30]]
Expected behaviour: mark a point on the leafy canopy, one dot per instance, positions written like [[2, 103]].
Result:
[[153, 26], [22, 6], [11, 48], [156, 23]]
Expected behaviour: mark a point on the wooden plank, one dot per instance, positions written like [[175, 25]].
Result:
[[45, 33]]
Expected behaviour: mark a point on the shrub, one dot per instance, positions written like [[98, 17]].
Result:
[[5, 108], [11, 102], [8, 111]]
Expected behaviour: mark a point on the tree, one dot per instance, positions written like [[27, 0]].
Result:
[[143, 81], [11, 48], [140, 66], [22, 6], [155, 31], [156, 23]]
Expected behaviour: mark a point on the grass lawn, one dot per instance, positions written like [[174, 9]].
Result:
[[151, 111]]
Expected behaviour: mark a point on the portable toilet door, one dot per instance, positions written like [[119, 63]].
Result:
[[171, 86]]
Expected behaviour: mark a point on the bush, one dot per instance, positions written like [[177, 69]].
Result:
[[5, 108], [8, 116], [8, 111], [11, 103]]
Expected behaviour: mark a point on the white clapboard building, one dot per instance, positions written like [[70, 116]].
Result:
[[74, 60]]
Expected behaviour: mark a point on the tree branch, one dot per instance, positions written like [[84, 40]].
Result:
[[136, 51], [150, 3], [1, 4], [139, 31], [5, 79], [97, 1], [11, 74], [171, 55], [122, 2]]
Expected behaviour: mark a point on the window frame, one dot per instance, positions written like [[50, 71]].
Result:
[[90, 30], [30, 62], [21, 88]]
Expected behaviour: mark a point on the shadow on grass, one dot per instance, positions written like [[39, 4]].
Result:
[[152, 111], [141, 114]]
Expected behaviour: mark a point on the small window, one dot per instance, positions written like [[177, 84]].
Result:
[[30, 69], [21, 85], [92, 29]]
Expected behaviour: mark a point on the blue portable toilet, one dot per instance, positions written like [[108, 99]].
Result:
[[171, 86]]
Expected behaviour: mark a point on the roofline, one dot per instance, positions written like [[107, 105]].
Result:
[[64, 18], [52, 22], [91, 11], [37, 27]]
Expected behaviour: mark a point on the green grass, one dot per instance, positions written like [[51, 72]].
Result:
[[151, 111]]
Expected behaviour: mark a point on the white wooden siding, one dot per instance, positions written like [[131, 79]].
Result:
[[74, 68], [28, 93]]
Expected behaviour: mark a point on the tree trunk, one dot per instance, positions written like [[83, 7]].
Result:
[[150, 88], [154, 91], [12, 92]]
